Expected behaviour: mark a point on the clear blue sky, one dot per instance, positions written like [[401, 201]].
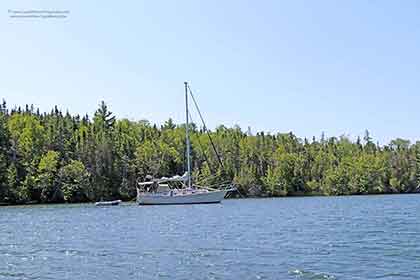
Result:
[[304, 66]]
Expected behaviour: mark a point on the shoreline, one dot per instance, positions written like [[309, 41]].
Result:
[[3, 204]]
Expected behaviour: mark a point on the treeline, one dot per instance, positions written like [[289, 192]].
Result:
[[56, 157]]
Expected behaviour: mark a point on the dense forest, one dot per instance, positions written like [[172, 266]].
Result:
[[58, 157]]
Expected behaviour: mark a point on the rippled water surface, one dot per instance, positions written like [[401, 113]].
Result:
[[357, 237]]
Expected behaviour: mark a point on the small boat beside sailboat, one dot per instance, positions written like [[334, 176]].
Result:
[[108, 203]]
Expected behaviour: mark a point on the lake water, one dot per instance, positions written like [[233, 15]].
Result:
[[354, 237]]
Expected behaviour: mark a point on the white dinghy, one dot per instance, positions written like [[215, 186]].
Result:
[[108, 203]]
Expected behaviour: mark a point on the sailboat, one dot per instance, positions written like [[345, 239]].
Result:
[[178, 189]]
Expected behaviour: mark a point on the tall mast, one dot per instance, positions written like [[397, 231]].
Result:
[[187, 135]]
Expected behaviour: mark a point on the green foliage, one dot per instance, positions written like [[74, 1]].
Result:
[[59, 157], [274, 184], [11, 191], [74, 180], [246, 178], [46, 180], [27, 133]]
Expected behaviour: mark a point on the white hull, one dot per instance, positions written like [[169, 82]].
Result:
[[190, 198]]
